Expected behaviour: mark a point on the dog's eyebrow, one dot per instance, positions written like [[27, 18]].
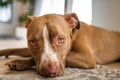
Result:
[[52, 30], [35, 36]]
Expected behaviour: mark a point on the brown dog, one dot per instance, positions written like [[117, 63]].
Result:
[[58, 40]]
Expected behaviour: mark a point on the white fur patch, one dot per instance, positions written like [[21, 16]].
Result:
[[48, 53]]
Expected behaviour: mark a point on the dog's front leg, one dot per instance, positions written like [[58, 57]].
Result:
[[16, 51], [21, 64], [80, 60]]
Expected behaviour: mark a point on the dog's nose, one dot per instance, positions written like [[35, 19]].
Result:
[[49, 71]]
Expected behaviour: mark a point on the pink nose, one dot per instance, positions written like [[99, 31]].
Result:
[[49, 71]]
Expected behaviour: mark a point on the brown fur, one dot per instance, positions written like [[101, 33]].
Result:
[[89, 45]]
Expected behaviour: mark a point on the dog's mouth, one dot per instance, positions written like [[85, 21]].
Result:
[[50, 71], [49, 68]]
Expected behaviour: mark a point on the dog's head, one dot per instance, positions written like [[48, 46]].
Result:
[[49, 40]]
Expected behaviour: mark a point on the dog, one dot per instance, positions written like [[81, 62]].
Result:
[[56, 41]]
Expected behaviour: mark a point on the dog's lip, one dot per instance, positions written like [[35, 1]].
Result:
[[52, 75], [49, 75]]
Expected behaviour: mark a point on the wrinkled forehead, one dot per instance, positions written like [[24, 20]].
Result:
[[55, 24]]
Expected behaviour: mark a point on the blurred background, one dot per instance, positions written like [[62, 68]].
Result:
[[13, 15]]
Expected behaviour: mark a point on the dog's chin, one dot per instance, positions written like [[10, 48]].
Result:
[[50, 75]]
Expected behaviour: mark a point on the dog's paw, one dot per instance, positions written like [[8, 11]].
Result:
[[18, 65]]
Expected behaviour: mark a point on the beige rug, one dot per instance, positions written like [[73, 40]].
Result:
[[100, 73]]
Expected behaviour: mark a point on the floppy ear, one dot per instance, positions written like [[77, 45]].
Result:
[[30, 18], [72, 20]]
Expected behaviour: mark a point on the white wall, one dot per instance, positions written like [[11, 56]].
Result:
[[106, 13], [9, 28]]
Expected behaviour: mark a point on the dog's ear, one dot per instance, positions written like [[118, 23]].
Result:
[[72, 20], [30, 18]]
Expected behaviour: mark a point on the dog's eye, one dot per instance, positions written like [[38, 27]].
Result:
[[34, 43], [61, 39]]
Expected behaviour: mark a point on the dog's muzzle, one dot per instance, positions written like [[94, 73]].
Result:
[[50, 71]]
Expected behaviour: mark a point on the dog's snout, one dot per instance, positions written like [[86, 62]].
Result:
[[50, 70]]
